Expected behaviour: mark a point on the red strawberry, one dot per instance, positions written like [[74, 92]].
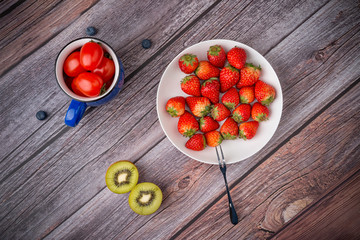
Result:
[[199, 106], [229, 130], [205, 70], [187, 124], [242, 113], [231, 98], [208, 124], [219, 112], [264, 93], [259, 112], [213, 138], [188, 63], [248, 75], [191, 85], [175, 106], [237, 57], [211, 89], [247, 130], [247, 94], [196, 142], [216, 56], [229, 76]]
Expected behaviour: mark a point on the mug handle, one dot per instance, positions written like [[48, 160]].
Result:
[[75, 113]]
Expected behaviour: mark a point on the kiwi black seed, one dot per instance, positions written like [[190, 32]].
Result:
[[145, 198], [121, 177]]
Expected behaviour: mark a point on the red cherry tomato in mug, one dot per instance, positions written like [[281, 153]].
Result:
[[91, 55], [106, 69], [72, 66], [69, 82], [88, 84], [74, 89]]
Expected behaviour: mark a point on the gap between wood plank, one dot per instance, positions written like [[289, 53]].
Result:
[[276, 193], [102, 189], [17, 147], [236, 182], [66, 129], [24, 20], [297, 26], [45, 42], [315, 203], [210, 166], [311, 72], [51, 140], [149, 60], [166, 45], [172, 40], [235, 16], [11, 8], [131, 75], [48, 143]]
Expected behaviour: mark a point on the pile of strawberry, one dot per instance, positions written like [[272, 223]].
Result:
[[235, 105]]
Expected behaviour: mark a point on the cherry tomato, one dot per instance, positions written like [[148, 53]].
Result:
[[106, 69], [88, 84], [72, 66], [91, 55], [74, 88], [69, 81]]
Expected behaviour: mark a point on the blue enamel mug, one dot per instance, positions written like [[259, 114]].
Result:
[[78, 103]]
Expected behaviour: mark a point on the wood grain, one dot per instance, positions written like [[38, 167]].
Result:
[[296, 176], [38, 162], [77, 204], [6, 6], [31, 24], [35, 135], [164, 216], [334, 216]]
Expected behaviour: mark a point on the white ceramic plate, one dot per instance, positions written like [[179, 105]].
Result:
[[234, 150]]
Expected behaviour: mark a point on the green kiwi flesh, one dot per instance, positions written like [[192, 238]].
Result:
[[145, 198], [121, 177]]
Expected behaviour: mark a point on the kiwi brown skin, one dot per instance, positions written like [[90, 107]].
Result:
[[145, 198], [120, 168]]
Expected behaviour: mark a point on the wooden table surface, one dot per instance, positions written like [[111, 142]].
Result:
[[304, 184]]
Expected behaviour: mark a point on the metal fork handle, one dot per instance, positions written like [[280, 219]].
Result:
[[233, 215]]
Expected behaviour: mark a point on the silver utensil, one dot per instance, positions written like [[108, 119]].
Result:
[[222, 165]]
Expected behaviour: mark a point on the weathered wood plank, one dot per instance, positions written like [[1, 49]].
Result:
[[19, 139], [27, 27], [335, 216], [205, 182], [39, 163], [290, 180], [298, 106], [127, 40], [116, 206], [71, 184], [6, 6], [120, 215], [51, 211]]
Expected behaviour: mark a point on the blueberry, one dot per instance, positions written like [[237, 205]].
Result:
[[41, 115], [146, 43], [91, 31]]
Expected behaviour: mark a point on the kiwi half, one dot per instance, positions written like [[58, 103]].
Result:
[[145, 198], [121, 177]]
